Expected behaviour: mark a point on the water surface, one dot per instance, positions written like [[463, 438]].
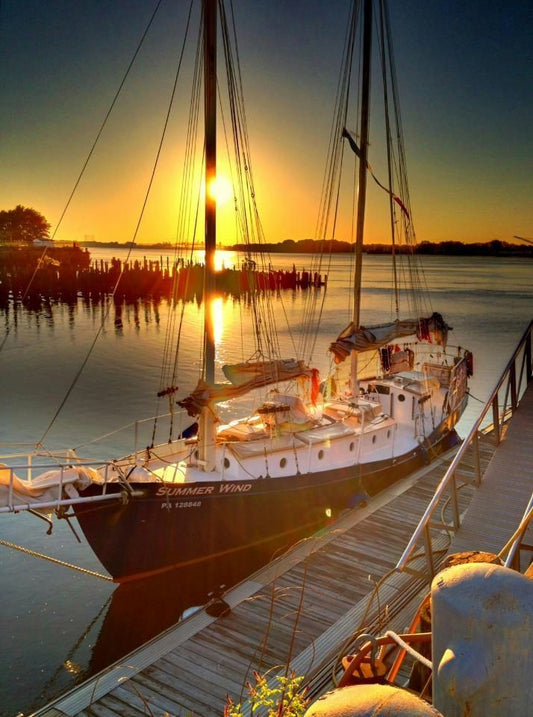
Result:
[[59, 626]]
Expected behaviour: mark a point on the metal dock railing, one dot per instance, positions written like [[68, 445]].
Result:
[[300, 612]]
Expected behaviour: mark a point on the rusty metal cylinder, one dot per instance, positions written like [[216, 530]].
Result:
[[370, 701], [482, 617]]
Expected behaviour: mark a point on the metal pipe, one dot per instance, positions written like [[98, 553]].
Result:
[[70, 501], [428, 513]]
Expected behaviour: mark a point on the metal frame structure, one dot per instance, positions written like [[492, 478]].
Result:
[[503, 402]]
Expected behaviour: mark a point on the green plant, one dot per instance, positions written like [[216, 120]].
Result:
[[283, 698]]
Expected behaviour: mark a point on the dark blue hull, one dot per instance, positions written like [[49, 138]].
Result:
[[169, 526]]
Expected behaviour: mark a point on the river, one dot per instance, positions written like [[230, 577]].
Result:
[[60, 625]]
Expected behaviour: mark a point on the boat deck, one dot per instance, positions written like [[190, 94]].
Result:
[[300, 609]]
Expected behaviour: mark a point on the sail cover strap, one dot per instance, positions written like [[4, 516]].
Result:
[[357, 152], [433, 329], [244, 377]]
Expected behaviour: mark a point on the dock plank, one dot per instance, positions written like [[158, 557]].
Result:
[[301, 609]]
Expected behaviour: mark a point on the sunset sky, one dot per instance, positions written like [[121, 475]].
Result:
[[464, 69]]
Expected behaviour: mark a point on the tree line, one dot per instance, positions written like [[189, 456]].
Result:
[[496, 247], [26, 225], [23, 225]]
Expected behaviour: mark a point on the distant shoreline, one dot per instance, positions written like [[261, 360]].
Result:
[[313, 246]]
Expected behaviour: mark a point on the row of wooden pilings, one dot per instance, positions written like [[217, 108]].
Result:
[[65, 281]]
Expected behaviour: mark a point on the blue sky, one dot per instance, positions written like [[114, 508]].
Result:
[[464, 71]]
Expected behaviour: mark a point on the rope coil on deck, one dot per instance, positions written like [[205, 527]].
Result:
[[35, 554]]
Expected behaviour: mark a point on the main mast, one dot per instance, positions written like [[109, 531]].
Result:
[[210, 128], [207, 426], [361, 195]]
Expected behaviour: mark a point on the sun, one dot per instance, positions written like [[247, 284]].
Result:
[[220, 190]]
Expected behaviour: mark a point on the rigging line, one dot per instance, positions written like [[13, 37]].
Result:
[[91, 151], [245, 179], [416, 267], [182, 312], [93, 147], [187, 226], [70, 654], [6, 334], [234, 180], [381, 35], [256, 225], [169, 367], [133, 240], [332, 152], [334, 165], [35, 554], [312, 328]]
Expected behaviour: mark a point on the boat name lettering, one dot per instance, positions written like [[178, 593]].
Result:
[[234, 488], [185, 490], [183, 504]]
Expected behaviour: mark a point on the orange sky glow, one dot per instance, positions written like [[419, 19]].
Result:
[[468, 148]]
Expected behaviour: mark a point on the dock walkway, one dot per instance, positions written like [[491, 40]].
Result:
[[509, 477], [301, 610], [298, 611]]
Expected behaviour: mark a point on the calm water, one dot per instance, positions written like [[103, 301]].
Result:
[[58, 625]]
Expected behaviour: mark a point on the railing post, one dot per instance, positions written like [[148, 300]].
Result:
[[477, 459], [512, 381], [455, 504], [529, 366], [496, 419], [10, 491], [429, 552]]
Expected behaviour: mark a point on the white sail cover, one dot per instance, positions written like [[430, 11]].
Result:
[[244, 377], [264, 372], [46, 488], [432, 329]]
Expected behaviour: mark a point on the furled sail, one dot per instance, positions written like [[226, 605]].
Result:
[[244, 377], [432, 329]]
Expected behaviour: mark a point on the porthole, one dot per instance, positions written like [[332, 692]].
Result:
[[401, 397], [283, 463], [373, 439], [226, 462], [320, 454], [352, 446]]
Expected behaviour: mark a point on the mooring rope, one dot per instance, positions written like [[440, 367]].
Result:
[[35, 554]]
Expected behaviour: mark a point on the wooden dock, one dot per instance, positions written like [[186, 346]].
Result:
[[510, 478], [299, 612]]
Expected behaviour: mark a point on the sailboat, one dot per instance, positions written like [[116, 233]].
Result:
[[313, 446]]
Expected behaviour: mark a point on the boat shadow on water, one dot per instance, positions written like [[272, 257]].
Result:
[[140, 610]]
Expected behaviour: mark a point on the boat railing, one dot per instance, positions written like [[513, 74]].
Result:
[[34, 457], [511, 550], [55, 466], [25, 461], [146, 433], [501, 404]]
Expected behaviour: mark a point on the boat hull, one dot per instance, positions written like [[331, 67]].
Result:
[[165, 526]]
